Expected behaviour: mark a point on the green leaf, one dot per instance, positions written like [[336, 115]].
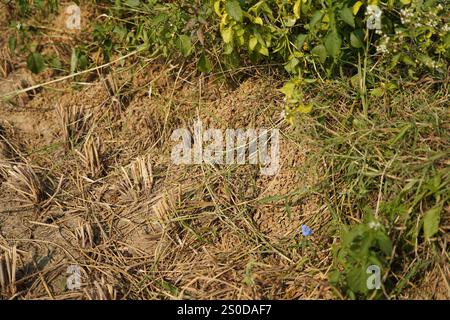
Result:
[[321, 52], [289, 21], [82, 62], [227, 35], [377, 92], [12, 43], [316, 17], [204, 65], [431, 222], [132, 3], [356, 38], [55, 63], [301, 38], [288, 89], [334, 277], [258, 20], [264, 51], [252, 42], [408, 60], [385, 243], [228, 48], [290, 66], [73, 61], [304, 108], [35, 62], [234, 10], [356, 279], [184, 45], [333, 42], [347, 16]]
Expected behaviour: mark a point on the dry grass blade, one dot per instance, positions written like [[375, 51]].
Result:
[[6, 65], [74, 124], [137, 177], [8, 265], [164, 205], [91, 157], [85, 235], [25, 181], [101, 291]]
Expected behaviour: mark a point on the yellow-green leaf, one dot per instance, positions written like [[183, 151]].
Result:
[[431, 222], [264, 51], [217, 8], [356, 7], [258, 20], [227, 35], [252, 43], [297, 8], [304, 108]]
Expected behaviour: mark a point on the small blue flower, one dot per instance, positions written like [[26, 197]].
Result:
[[306, 231]]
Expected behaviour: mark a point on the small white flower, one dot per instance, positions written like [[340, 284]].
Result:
[[374, 225]]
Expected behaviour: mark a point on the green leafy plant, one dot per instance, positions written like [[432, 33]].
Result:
[[23, 40], [361, 246]]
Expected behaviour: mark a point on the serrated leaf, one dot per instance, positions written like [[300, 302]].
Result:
[[234, 10], [35, 62], [347, 16], [356, 280], [431, 221], [228, 48], [333, 42]]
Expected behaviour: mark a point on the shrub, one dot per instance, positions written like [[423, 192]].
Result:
[[313, 35]]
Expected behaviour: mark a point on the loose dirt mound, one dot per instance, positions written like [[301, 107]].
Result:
[[99, 190]]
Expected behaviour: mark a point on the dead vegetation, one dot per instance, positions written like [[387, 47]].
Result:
[[141, 227]]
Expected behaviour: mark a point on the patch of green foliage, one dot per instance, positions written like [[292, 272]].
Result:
[[387, 172], [311, 36]]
